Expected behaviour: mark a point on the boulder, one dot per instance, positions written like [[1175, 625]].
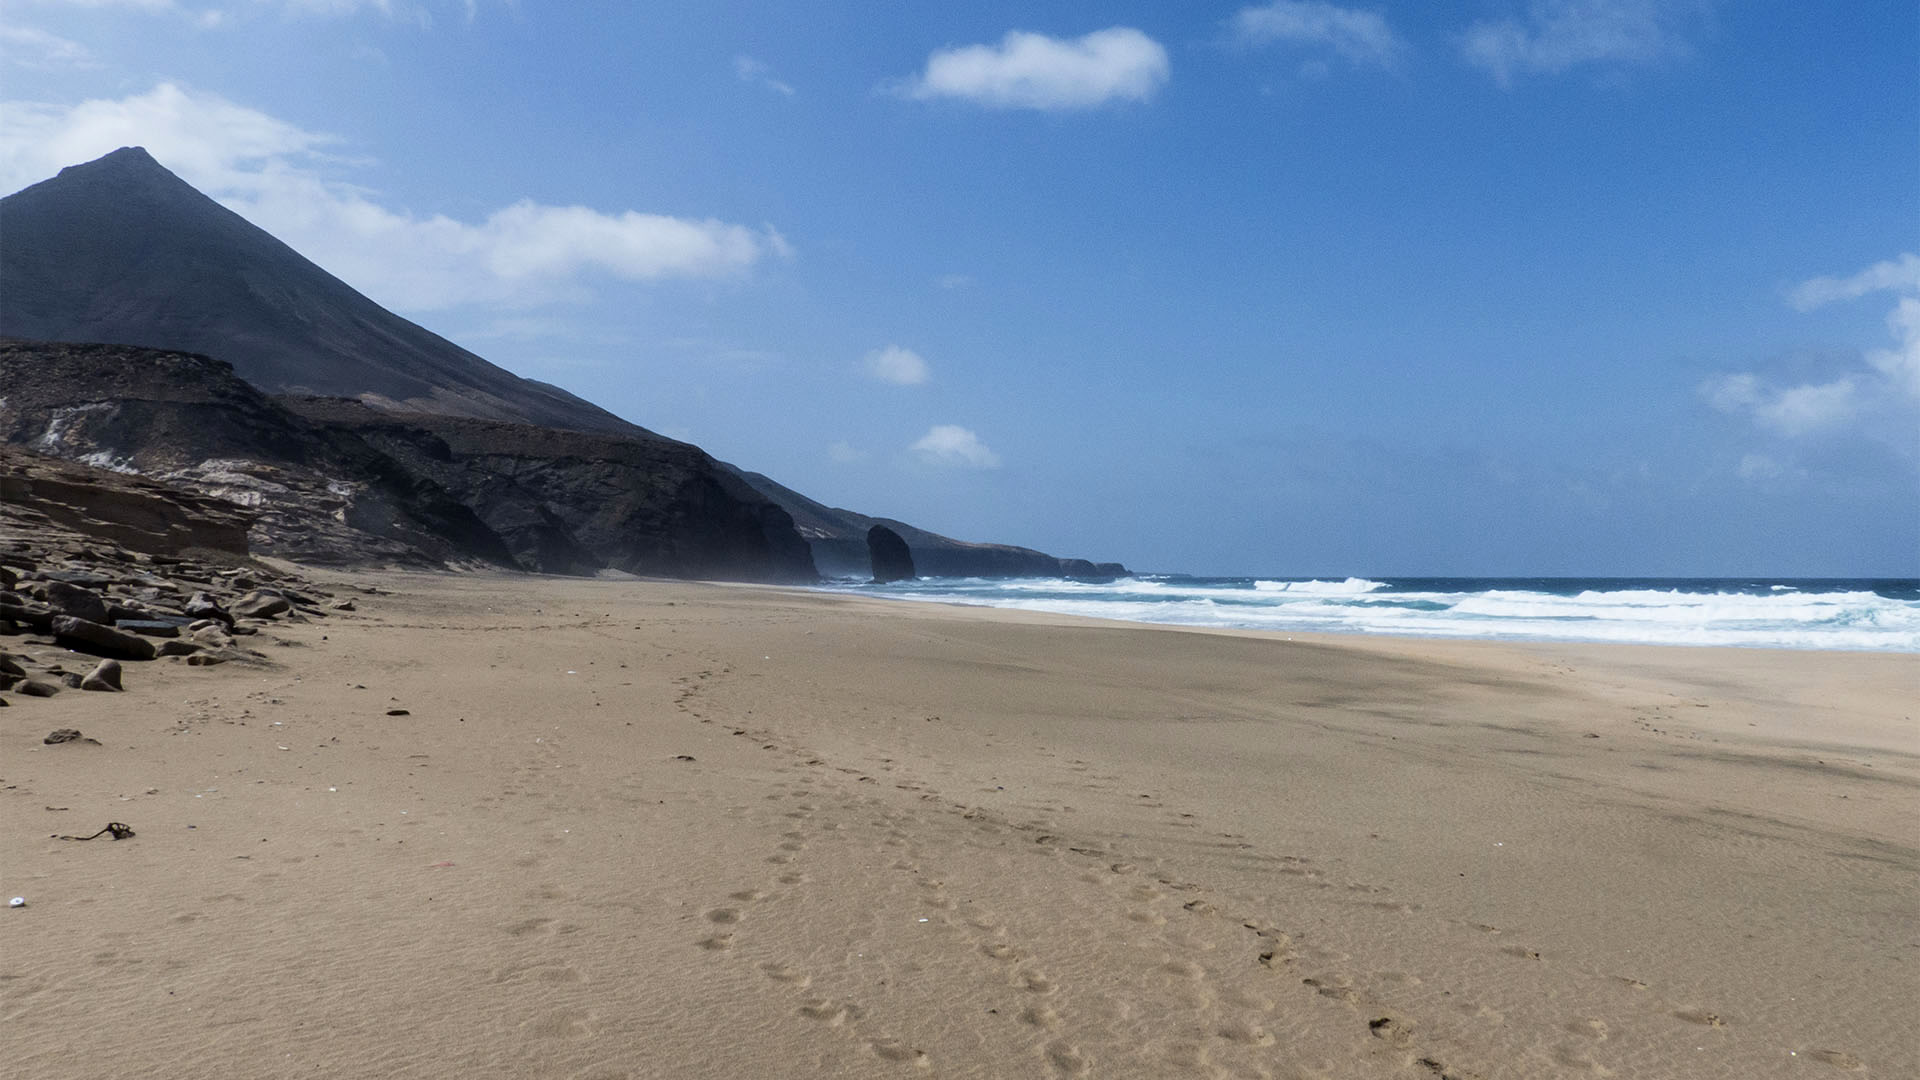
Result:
[[202, 606], [91, 637], [260, 604], [176, 648], [68, 599], [35, 688], [106, 676], [163, 628], [892, 561]]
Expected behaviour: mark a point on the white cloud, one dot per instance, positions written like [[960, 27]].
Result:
[[901, 367], [842, 452], [270, 172], [1891, 378], [27, 47], [1557, 35], [749, 70], [1362, 37], [1033, 71], [951, 444], [1894, 275]]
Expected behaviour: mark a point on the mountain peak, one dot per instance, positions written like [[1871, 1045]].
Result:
[[120, 249], [128, 161]]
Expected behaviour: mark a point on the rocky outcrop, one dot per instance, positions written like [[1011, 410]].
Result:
[[572, 502], [889, 555], [130, 511], [73, 582], [120, 249], [259, 476], [839, 541]]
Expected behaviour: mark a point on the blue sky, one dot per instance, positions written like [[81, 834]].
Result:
[[1513, 287]]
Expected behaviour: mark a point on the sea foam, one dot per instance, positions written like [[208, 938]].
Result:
[[1782, 613]]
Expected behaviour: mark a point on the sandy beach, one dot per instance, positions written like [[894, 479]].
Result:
[[640, 829]]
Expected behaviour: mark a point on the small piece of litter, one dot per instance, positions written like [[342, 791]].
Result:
[[18, 901], [923, 920]]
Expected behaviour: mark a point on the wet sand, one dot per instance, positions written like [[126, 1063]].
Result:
[[676, 830]]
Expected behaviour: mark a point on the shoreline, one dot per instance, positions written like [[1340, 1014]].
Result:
[[1493, 610], [960, 841]]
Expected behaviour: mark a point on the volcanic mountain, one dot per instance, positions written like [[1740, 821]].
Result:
[[120, 250]]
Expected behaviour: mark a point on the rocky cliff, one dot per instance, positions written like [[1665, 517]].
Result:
[[839, 541], [337, 482], [573, 502], [135, 513]]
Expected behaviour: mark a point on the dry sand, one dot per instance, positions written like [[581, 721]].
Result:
[[674, 830]]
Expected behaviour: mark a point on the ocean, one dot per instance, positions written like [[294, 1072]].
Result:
[[1873, 614]]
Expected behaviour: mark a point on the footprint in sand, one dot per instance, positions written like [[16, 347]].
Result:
[[538, 972], [830, 1013], [1068, 1059], [1521, 951], [1336, 987], [529, 926], [716, 943], [1839, 1059], [787, 973], [1246, 1034], [1000, 950], [1702, 1017], [724, 916], [747, 896], [1041, 1016], [895, 1050], [1034, 982], [1589, 1027], [566, 1023]]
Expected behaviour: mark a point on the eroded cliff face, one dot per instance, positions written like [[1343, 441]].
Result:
[[180, 418], [575, 502], [131, 511], [336, 482]]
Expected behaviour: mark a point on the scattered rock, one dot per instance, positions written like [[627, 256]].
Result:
[[70, 680], [85, 636], [10, 666], [398, 712], [260, 604], [35, 688], [77, 602], [201, 606], [67, 734], [207, 659], [176, 648], [149, 627], [343, 605], [106, 676]]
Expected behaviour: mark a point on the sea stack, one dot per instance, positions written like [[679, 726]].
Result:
[[891, 559]]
